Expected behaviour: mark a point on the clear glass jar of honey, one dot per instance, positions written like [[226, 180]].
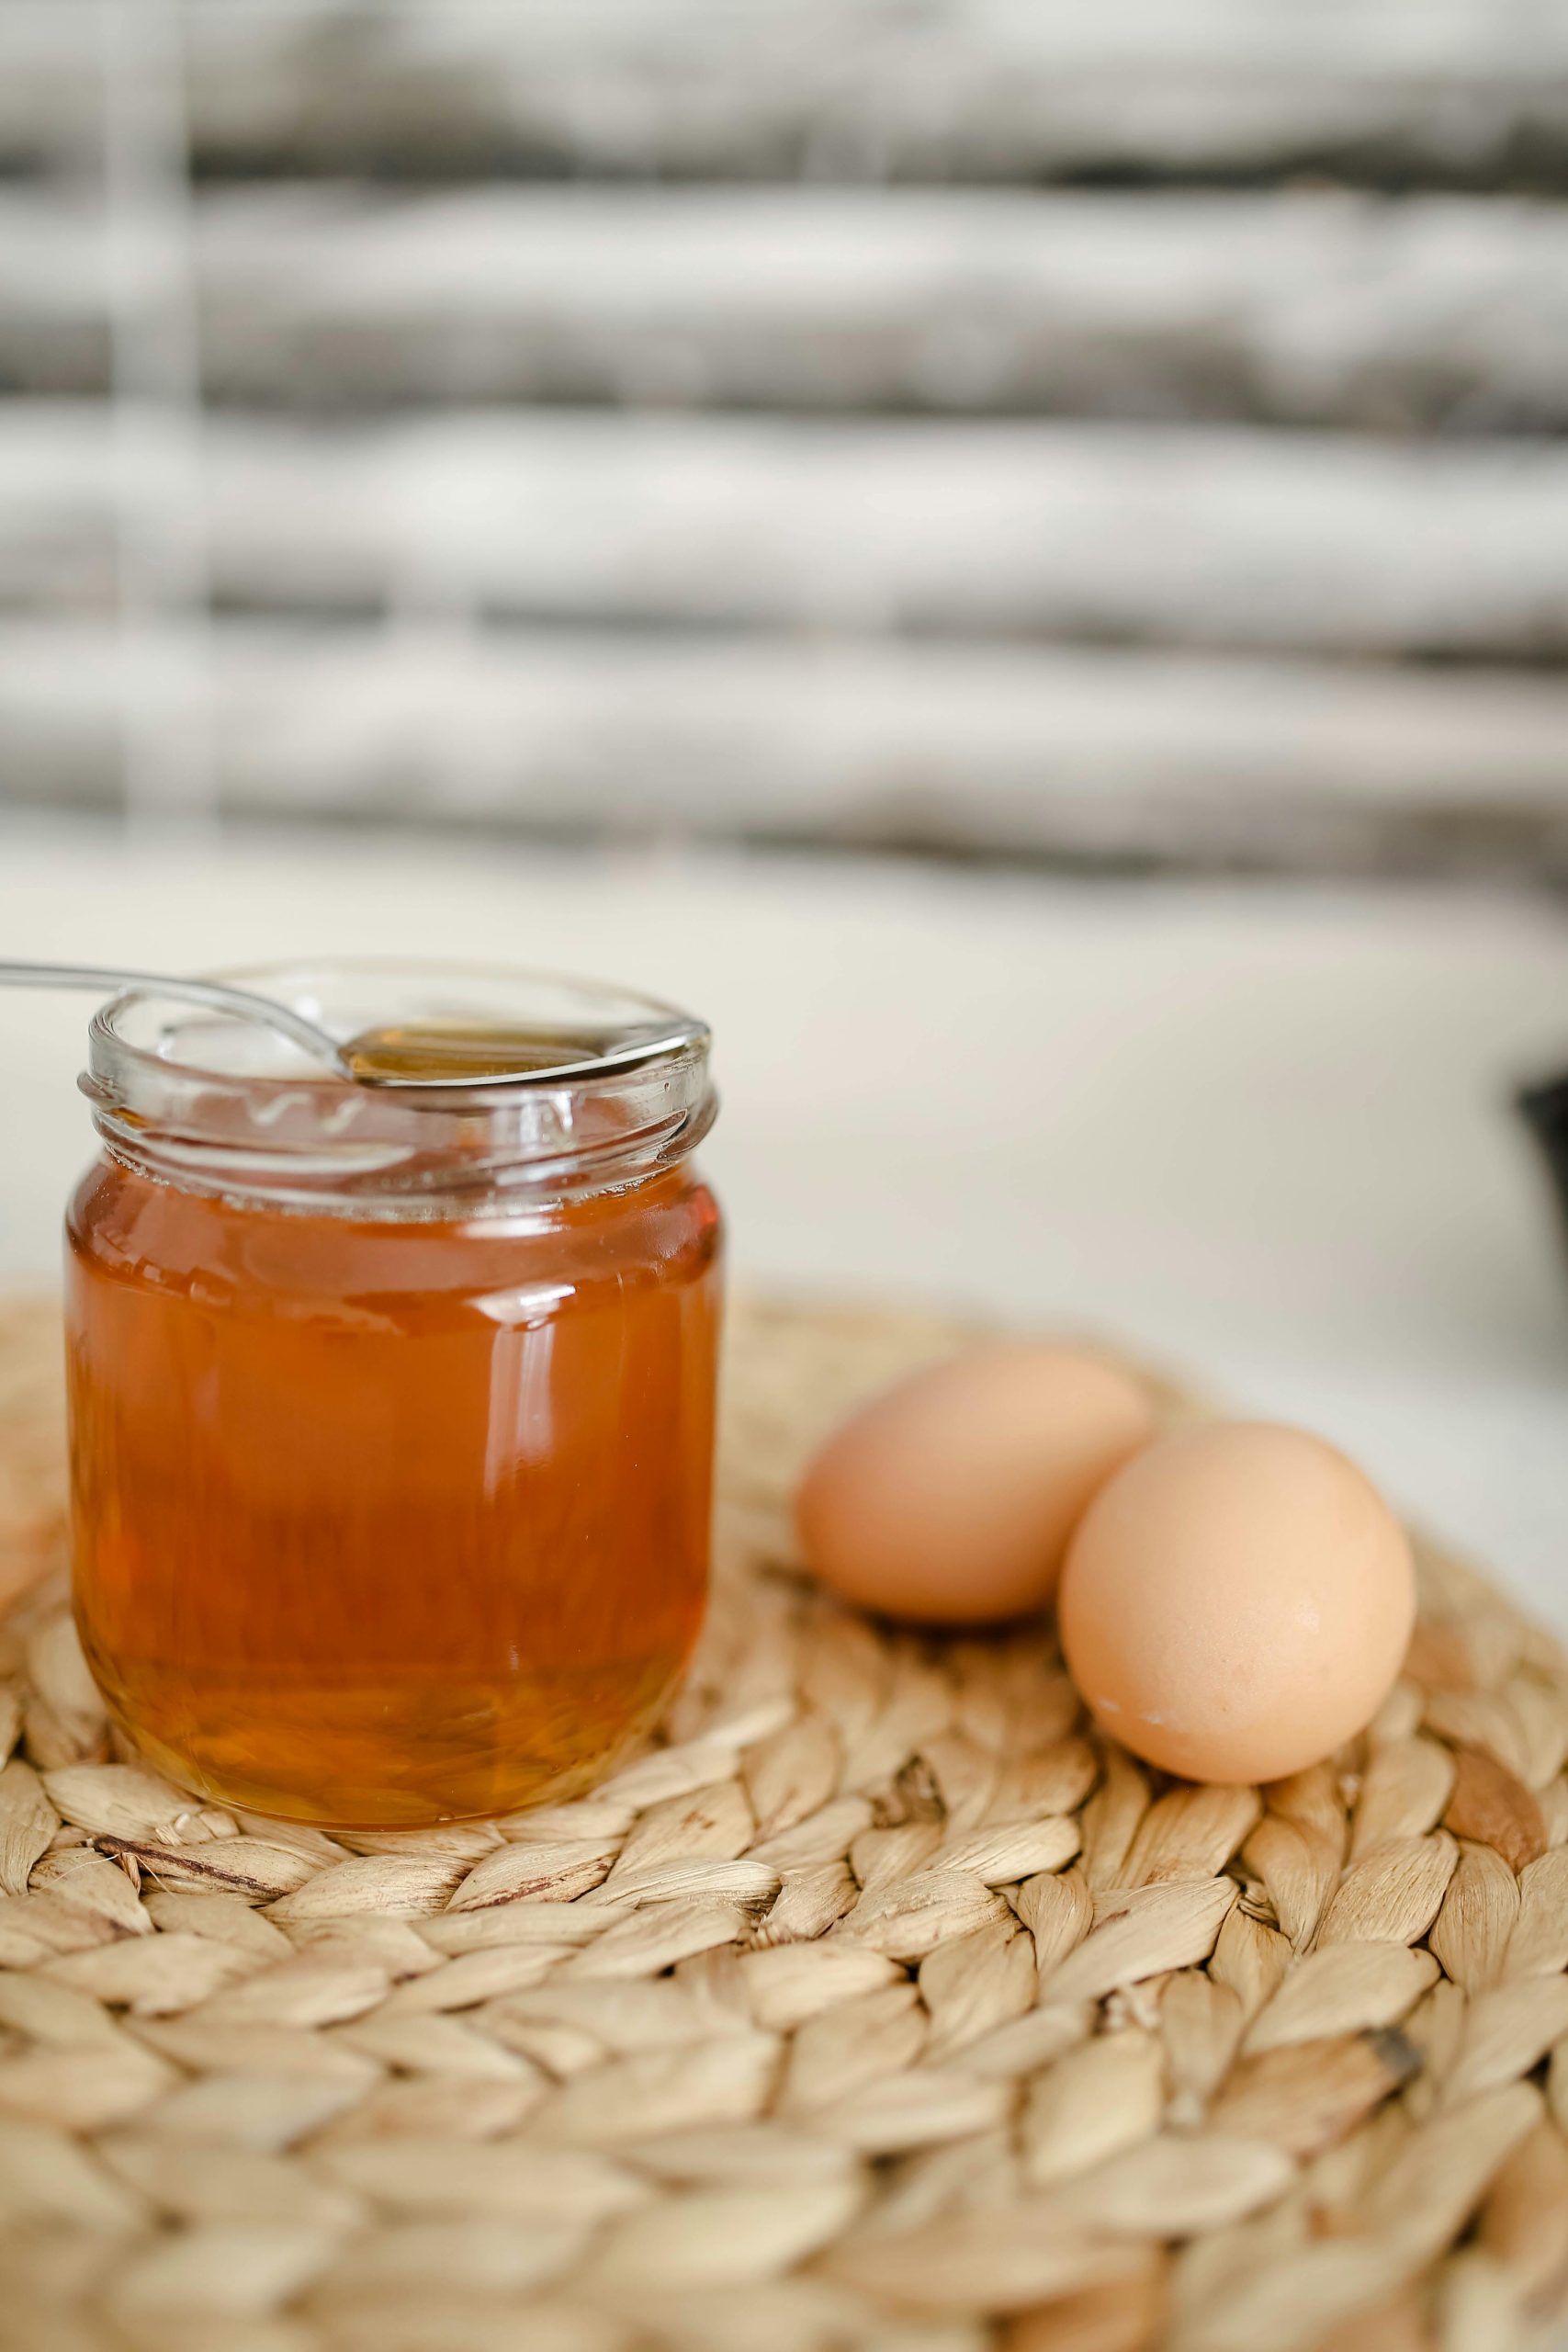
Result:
[[392, 1407]]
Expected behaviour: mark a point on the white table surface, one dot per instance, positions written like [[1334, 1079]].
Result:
[[1259, 1130]]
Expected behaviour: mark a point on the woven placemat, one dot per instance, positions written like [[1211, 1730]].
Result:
[[881, 2006]]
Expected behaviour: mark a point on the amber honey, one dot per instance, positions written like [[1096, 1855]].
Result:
[[389, 1518], [451, 1050]]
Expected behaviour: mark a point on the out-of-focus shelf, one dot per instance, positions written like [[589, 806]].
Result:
[[1457, 90], [1216, 537], [1297, 305], [1072, 753]]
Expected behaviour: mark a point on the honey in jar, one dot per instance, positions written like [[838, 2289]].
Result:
[[392, 1407]]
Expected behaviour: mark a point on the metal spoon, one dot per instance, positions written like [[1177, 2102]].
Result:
[[652, 1044], [240, 1002]]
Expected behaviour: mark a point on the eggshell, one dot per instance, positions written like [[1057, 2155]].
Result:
[[951, 1496], [1236, 1602]]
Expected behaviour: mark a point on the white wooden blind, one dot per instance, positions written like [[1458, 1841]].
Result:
[[1466, 90], [1131, 433], [1303, 306]]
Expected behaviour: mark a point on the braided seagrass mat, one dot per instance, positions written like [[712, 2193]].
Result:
[[881, 2006]]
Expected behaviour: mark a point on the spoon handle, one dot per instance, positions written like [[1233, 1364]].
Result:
[[240, 1002]]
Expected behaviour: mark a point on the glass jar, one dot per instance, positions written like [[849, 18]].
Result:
[[392, 1410]]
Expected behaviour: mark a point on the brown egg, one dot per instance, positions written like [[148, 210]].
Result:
[[1236, 1602], [950, 1498]]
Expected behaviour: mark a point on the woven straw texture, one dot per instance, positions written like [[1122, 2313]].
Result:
[[881, 2005]]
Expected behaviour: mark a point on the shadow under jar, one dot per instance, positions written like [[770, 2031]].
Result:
[[393, 1412]]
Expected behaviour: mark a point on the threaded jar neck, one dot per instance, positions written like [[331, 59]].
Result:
[[194, 1098]]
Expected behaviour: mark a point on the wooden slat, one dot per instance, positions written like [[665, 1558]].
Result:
[[1456, 89], [1068, 753], [1202, 536], [1305, 306]]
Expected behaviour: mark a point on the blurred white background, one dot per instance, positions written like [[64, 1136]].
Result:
[[601, 486]]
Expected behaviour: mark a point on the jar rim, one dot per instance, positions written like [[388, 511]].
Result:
[[201, 1099], [675, 1031]]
